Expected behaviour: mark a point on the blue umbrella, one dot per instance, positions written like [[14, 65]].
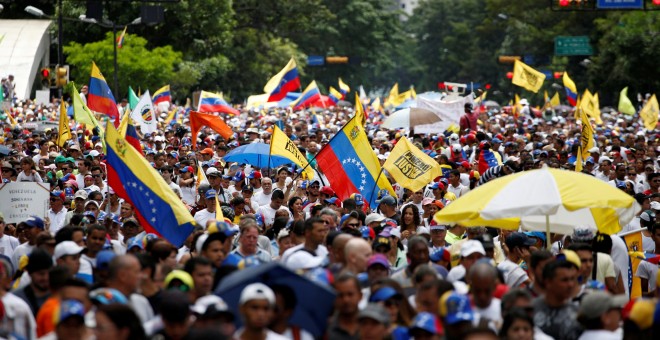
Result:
[[255, 154], [314, 302]]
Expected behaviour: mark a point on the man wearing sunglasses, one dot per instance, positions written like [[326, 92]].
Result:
[[57, 211]]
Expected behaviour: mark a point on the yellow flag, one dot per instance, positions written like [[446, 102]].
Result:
[[394, 96], [649, 113], [64, 132], [595, 104], [360, 116], [123, 125], [281, 145], [587, 134], [527, 77], [201, 177], [636, 253], [410, 166], [12, 120], [625, 105], [218, 211], [586, 104], [578, 160], [555, 100]]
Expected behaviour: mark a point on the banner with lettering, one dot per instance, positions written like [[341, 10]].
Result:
[[20, 200]]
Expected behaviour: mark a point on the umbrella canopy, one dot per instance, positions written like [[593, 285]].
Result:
[[4, 150], [410, 117], [314, 302], [545, 200], [490, 104], [255, 154]]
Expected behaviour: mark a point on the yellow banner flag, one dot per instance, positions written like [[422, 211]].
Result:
[[587, 134], [585, 103], [636, 253], [359, 112], [281, 145], [649, 113], [410, 166], [527, 77], [595, 103], [393, 97], [578, 160], [555, 100], [218, 211], [625, 105], [64, 131]]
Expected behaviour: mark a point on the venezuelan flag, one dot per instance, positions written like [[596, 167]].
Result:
[[351, 166], [571, 90], [308, 97], [120, 38], [343, 88], [157, 207], [283, 82], [99, 96], [487, 160], [162, 95], [335, 95], [132, 137], [213, 102]]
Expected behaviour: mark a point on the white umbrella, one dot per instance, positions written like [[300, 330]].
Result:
[[410, 117]]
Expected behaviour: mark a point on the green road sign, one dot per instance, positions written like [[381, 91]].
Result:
[[577, 45]]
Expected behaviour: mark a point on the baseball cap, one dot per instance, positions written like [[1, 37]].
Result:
[[438, 227], [382, 241], [206, 151], [642, 312], [210, 194], [518, 239], [69, 309], [442, 254], [187, 169], [387, 200], [35, 222], [212, 171], [135, 242], [359, 200], [254, 174], [375, 312], [257, 291], [427, 201], [472, 246], [331, 200], [239, 176], [380, 259], [374, 217], [210, 306], [584, 234], [103, 259], [94, 153], [427, 322], [80, 194], [596, 303], [455, 308], [187, 283], [595, 149], [248, 188], [383, 294], [570, 256], [327, 190], [655, 205], [67, 248]]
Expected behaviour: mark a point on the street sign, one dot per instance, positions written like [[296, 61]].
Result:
[[315, 60], [576, 45], [620, 4]]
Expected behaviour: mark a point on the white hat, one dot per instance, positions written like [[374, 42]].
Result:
[[67, 248], [395, 232], [200, 242], [472, 246], [524, 101], [303, 260], [374, 217], [159, 139], [80, 194], [594, 150], [655, 205], [94, 153], [203, 303], [92, 202], [382, 157], [283, 233], [423, 231], [257, 291], [604, 158], [456, 147], [212, 171]]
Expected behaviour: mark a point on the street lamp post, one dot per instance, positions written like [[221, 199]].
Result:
[[60, 34]]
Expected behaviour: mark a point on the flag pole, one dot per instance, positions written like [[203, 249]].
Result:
[[375, 184]]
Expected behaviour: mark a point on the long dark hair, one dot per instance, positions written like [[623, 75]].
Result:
[[123, 316], [416, 219]]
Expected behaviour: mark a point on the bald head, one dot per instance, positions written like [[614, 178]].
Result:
[[482, 271], [339, 246], [357, 252]]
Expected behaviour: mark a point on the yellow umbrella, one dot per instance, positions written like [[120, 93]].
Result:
[[547, 199]]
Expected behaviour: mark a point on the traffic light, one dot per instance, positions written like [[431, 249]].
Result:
[[508, 59], [487, 86], [558, 75], [45, 77], [336, 60], [573, 5], [61, 75]]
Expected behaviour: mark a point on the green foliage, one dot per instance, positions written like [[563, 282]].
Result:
[[138, 66]]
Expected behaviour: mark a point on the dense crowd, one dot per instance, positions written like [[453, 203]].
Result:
[[88, 269]]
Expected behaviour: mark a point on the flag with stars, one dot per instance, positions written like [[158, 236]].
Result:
[[351, 165], [158, 209]]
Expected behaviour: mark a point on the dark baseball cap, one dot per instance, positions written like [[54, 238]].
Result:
[[519, 240]]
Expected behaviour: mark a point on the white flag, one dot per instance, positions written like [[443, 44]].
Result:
[[145, 115]]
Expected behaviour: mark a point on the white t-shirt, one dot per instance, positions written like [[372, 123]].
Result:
[[22, 177], [269, 213], [142, 307], [202, 216], [321, 251], [648, 270], [8, 244], [261, 198], [492, 313], [18, 317], [459, 191], [56, 220], [23, 249]]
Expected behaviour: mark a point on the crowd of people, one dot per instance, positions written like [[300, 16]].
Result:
[[88, 269]]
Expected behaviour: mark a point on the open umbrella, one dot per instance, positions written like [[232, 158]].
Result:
[[255, 154], [410, 117], [314, 302], [547, 199], [4, 150]]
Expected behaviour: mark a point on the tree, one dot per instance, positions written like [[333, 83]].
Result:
[[138, 66]]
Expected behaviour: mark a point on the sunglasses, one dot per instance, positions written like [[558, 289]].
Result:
[[354, 225], [315, 186], [96, 176]]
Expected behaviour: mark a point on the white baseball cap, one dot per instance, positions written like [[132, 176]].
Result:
[[257, 291], [472, 246], [374, 217], [303, 260], [67, 248]]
